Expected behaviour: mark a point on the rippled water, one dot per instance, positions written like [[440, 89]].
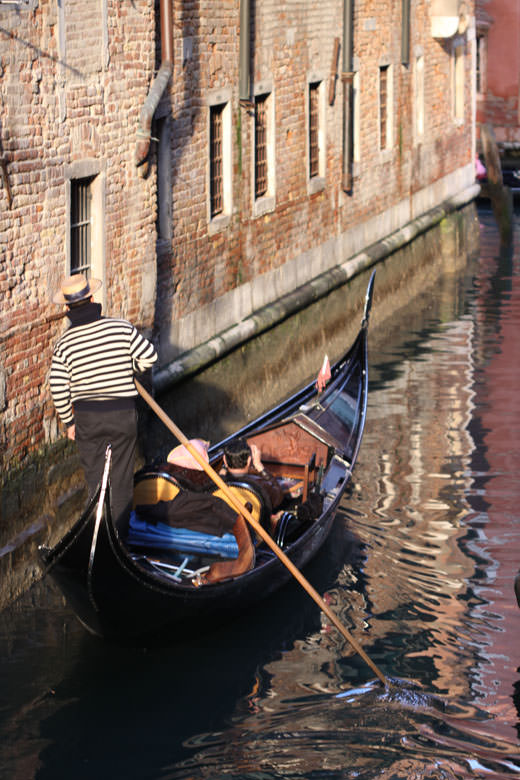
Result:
[[419, 567]]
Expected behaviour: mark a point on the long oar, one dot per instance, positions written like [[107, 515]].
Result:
[[242, 510]]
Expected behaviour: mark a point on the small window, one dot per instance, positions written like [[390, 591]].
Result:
[[261, 157], [383, 106], [458, 83], [219, 170], [81, 225], [314, 128], [480, 64], [216, 161]]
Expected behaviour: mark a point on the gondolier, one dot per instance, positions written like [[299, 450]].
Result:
[[93, 390]]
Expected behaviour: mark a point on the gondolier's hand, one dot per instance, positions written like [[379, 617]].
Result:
[[71, 432]]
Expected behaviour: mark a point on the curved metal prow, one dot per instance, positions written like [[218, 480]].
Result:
[[99, 514], [368, 300]]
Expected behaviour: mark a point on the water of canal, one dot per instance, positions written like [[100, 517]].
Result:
[[419, 566]]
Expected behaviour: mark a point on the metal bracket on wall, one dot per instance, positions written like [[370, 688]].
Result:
[[334, 71]]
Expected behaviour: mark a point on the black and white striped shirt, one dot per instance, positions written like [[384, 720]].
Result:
[[96, 361]]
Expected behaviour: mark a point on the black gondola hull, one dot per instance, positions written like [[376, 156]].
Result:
[[123, 601]]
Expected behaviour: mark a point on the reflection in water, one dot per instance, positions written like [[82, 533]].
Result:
[[419, 568]]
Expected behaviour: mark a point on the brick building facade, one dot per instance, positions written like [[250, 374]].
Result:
[[266, 167], [498, 72]]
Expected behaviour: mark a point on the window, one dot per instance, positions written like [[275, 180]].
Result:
[[220, 167], [481, 64], [263, 151], [314, 126], [216, 161], [81, 225], [261, 173], [383, 106], [85, 219], [458, 82], [316, 149]]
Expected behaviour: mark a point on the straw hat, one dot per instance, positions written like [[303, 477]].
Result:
[[76, 288], [180, 456]]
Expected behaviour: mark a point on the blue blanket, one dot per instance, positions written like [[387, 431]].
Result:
[[164, 537]]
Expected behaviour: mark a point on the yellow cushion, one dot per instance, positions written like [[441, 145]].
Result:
[[151, 490]]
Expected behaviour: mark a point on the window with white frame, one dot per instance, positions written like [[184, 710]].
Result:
[[314, 129], [316, 134], [458, 81], [85, 237], [220, 170], [81, 225], [263, 153], [481, 57], [216, 164], [385, 107], [261, 130]]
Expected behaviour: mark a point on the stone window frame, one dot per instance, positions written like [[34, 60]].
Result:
[[316, 183], [265, 203], [481, 58], [458, 79], [386, 150], [95, 170], [216, 98]]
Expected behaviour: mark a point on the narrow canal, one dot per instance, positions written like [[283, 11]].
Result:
[[419, 566]]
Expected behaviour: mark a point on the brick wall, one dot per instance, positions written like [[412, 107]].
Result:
[[71, 91], [71, 96], [289, 42], [499, 103]]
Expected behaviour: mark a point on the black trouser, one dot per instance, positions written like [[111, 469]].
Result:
[[94, 431]]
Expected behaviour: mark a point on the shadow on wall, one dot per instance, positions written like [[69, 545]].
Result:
[[170, 156]]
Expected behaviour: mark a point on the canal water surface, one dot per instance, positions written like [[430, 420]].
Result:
[[419, 567]]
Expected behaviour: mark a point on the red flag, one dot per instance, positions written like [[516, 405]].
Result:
[[324, 375]]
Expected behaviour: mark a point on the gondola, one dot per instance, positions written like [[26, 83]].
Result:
[[122, 591]]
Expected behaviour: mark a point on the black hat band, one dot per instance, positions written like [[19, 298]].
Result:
[[77, 295]]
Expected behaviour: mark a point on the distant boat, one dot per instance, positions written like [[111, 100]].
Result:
[[124, 592]]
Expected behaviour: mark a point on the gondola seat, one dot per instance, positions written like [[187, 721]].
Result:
[[251, 494], [236, 548], [153, 486]]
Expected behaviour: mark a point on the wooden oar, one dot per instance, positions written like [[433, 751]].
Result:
[[242, 510]]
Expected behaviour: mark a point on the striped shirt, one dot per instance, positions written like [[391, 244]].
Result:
[[96, 361]]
